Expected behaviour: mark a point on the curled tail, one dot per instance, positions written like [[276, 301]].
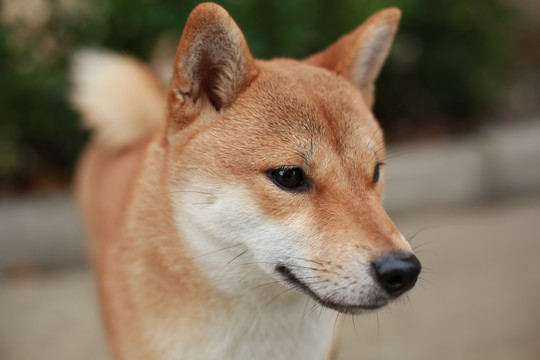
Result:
[[119, 98]]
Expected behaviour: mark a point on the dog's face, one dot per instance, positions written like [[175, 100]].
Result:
[[287, 164]]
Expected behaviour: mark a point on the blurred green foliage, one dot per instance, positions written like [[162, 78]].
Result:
[[445, 70]]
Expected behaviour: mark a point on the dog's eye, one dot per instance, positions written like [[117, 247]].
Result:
[[376, 173], [291, 179]]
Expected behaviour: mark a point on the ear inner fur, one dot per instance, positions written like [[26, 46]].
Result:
[[360, 55], [212, 62]]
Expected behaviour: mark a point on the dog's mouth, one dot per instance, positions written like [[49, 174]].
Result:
[[303, 287]]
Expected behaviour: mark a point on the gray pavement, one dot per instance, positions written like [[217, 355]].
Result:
[[40, 231], [51, 316], [499, 161]]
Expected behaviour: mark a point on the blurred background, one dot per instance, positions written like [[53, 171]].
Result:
[[459, 100]]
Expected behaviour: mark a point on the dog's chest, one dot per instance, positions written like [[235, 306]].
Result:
[[296, 331]]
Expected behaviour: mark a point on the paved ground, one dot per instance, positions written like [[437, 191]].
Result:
[[479, 297]]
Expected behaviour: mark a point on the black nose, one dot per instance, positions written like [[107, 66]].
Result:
[[397, 272]]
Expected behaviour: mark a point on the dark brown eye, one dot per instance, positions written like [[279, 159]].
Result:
[[376, 173], [290, 179]]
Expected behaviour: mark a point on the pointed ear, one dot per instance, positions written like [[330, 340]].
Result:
[[360, 55], [212, 63]]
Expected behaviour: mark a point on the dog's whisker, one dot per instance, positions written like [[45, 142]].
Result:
[[303, 316], [313, 307], [297, 266], [270, 283], [277, 263], [191, 192], [424, 252], [369, 145], [373, 136], [354, 326], [215, 251], [237, 256], [408, 298], [380, 148], [411, 234], [320, 313], [423, 283], [278, 295], [427, 270], [410, 237], [308, 260], [284, 282], [424, 244], [395, 154], [378, 327], [335, 323]]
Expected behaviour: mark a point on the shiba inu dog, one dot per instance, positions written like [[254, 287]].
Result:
[[220, 208]]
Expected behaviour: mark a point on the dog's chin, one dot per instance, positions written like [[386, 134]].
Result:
[[340, 307]]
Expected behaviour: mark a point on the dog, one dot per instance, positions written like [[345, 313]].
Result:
[[221, 209]]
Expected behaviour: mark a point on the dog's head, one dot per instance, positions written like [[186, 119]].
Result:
[[284, 159]]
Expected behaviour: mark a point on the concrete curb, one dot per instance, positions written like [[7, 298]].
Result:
[[500, 161], [40, 231]]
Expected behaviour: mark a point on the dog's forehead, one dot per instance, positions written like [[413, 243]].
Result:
[[295, 98]]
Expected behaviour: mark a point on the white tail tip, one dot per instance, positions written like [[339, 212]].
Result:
[[118, 97]]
